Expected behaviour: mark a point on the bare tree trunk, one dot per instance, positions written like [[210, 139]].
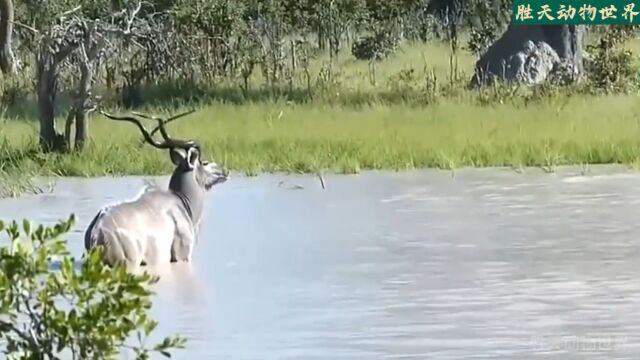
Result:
[[46, 83], [81, 103], [110, 71], [67, 129], [46, 86], [321, 39], [7, 60], [82, 129]]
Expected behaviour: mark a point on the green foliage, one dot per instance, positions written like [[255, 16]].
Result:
[[241, 50], [610, 66], [383, 11], [486, 21], [481, 39], [375, 47], [213, 41], [86, 313]]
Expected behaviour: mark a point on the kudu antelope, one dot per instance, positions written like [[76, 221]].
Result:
[[160, 225]]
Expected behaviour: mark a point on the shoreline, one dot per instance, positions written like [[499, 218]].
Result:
[[562, 170], [46, 185]]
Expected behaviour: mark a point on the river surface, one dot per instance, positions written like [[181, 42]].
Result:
[[487, 264]]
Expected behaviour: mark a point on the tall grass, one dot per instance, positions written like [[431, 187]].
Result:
[[460, 127], [284, 137]]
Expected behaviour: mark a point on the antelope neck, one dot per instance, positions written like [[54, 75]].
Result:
[[185, 202], [185, 186]]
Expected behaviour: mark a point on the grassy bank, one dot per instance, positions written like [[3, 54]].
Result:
[[403, 113], [280, 137]]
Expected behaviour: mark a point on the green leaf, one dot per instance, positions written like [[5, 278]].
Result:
[[39, 233], [107, 304], [149, 327], [26, 226]]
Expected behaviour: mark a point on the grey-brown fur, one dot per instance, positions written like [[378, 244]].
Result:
[[160, 225]]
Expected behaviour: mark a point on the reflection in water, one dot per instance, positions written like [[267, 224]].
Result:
[[489, 264], [181, 283]]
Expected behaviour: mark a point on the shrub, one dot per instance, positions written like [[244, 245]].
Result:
[[88, 312], [374, 47], [610, 66], [480, 40]]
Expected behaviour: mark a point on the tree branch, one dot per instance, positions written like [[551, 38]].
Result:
[[132, 18], [21, 334], [24, 26], [69, 12]]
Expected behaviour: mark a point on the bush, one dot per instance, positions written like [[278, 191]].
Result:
[[374, 47], [480, 40], [85, 313], [609, 66]]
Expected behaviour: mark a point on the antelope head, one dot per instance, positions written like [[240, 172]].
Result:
[[192, 176]]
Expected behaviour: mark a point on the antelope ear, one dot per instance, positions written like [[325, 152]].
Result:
[[178, 157], [192, 157]]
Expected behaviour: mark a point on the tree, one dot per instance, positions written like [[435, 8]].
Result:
[[7, 59], [84, 43], [54, 312]]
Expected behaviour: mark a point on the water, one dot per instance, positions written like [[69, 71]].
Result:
[[489, 264]]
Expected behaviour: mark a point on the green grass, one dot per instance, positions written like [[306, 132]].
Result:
[[272, 137], [457, 129]]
